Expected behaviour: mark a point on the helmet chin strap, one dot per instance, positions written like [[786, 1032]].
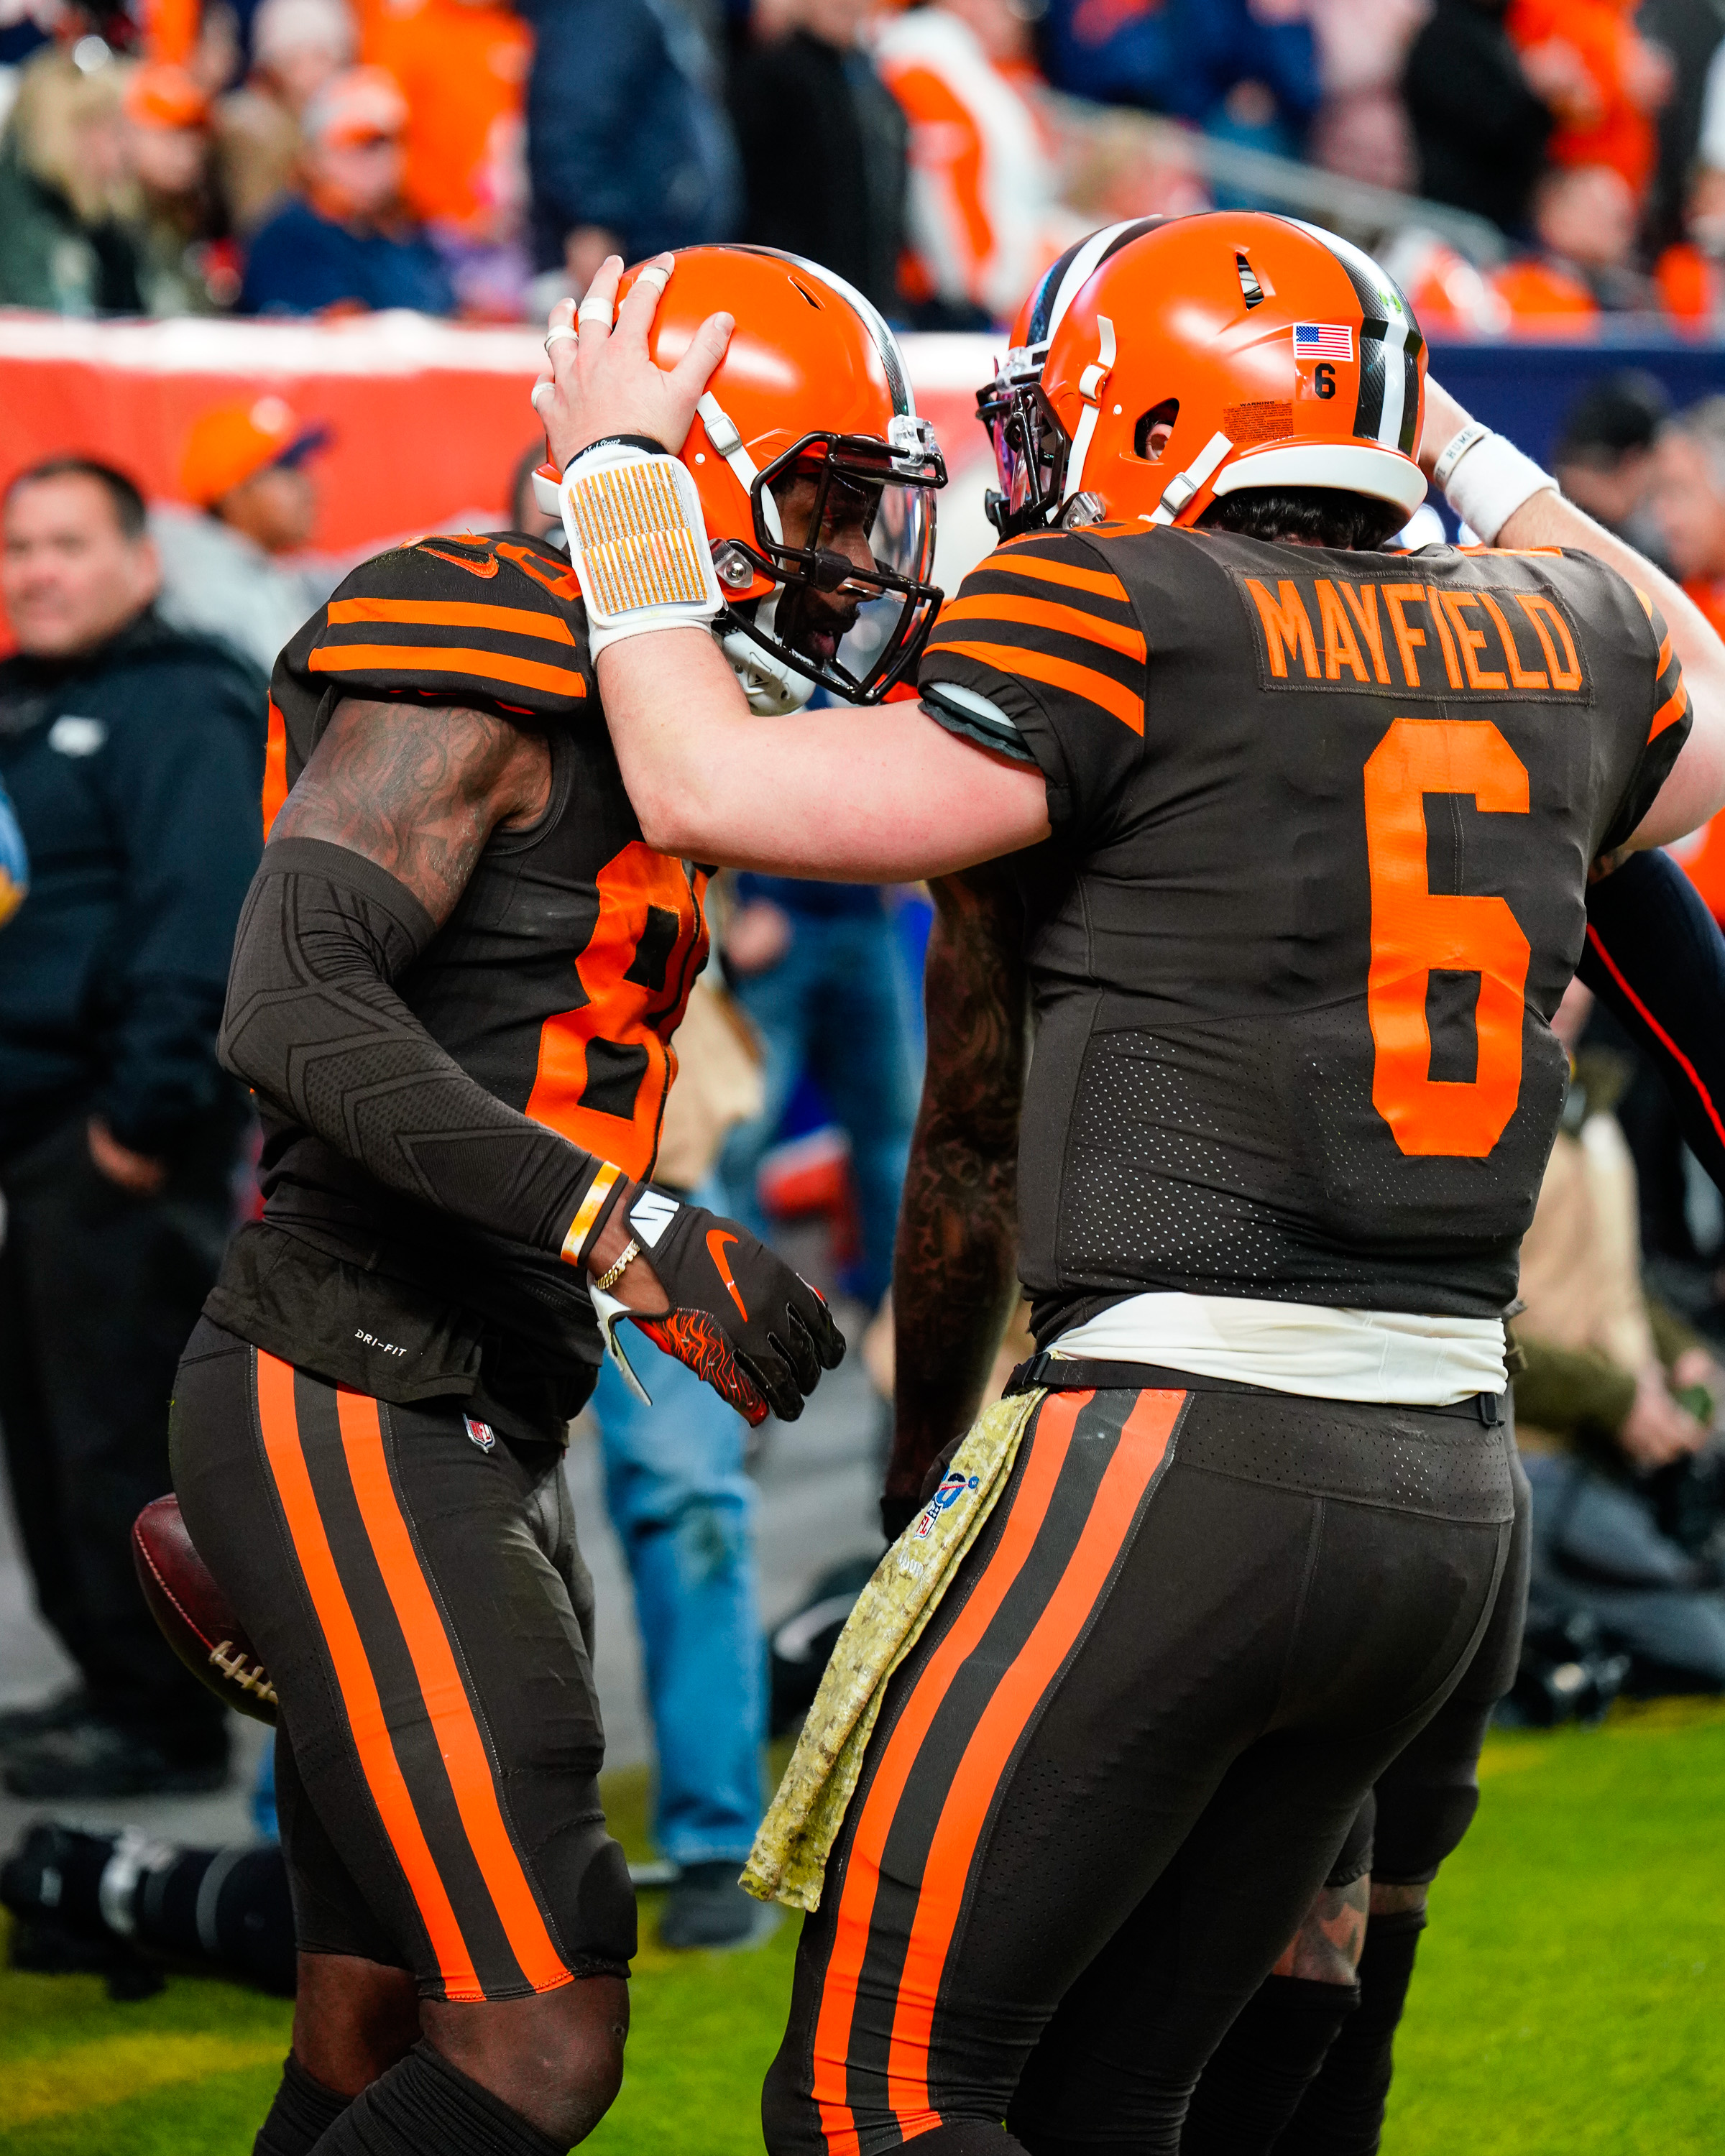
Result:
[[1197, 475], [726, 436], [1090, 385], [771, 687]]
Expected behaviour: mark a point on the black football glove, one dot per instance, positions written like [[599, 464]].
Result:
[[738, 1316]]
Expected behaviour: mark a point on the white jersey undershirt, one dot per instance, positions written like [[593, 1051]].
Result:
[[1384, 1355]]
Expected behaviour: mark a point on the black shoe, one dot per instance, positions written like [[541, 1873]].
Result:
[[95, 1758], [19, 1724], [707, 1908]]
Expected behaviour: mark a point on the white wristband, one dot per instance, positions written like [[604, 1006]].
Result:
[[1488, 481], [638, 543]]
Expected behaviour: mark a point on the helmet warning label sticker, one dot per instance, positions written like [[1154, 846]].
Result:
[[1376, 635], [1266, 419]]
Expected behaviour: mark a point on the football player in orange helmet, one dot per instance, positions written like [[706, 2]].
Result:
[[452, 992], [822, 536], [1293, 1089], [1283, 360]]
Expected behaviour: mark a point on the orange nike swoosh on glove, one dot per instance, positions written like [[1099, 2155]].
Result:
[[717, 1240]]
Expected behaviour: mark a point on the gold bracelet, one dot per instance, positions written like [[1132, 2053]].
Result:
[[608, 1278]]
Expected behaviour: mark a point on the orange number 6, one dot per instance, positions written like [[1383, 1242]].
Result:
[[1416, 931]]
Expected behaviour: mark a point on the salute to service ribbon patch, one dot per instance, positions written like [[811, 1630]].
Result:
[[788, 1861]]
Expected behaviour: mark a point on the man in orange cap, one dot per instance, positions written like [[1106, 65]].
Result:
[[345, 242], [234, 565]]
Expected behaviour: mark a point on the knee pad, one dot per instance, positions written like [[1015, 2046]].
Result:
[[1422, 1829], [790, 2118], [1355, 1857], [1427, 1798], [591, 1900]]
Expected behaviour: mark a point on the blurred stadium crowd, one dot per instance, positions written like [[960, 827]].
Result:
[[1560, 160]]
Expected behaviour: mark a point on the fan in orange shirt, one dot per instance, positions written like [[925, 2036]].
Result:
[[462, 67], [1585, 221], [1689, 505], [1691, 274], [1600, 76], [984, 220]]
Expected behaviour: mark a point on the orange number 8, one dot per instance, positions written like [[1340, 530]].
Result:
[[1416, 931]]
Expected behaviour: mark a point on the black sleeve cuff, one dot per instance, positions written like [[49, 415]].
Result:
[[351, 871]]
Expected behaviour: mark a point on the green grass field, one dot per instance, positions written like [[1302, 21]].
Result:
[[1570, 1999]]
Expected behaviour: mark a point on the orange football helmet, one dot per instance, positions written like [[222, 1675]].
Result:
[[813, 395], [1161, 363]]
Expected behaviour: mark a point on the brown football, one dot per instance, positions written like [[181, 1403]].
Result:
[[195, 1616]]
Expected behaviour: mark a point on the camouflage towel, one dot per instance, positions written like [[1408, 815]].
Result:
[[788, 1860]]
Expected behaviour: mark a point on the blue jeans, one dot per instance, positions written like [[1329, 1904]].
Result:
[[684, 1512], [839, 1005]]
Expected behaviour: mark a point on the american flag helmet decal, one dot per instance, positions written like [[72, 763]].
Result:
[[1324, 341]]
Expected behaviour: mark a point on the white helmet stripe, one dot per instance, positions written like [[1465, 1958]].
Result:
[[1083, 266], [1395, 343], [1367, 276], [891, 353], [892, 358], [1389, 331]]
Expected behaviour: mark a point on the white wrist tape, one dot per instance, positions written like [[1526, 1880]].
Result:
[[638, 543], [1488, 481]]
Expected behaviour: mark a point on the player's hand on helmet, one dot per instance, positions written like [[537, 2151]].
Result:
[[602, 380], [707, 1292]]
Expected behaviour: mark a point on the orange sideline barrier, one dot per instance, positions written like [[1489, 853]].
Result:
[[428, 417]]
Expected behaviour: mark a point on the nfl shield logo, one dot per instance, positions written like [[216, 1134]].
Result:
[[482, 1434], [950, 1492]]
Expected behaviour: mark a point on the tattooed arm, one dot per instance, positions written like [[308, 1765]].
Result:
[[954, 1274], [365, 862], [418, 789]]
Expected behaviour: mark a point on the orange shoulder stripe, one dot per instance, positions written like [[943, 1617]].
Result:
[[413, 658], [279, 1425], [1008, 609], [1669, 711], [454, 614], [1105, 586], [450, 1712], [1060, 674]]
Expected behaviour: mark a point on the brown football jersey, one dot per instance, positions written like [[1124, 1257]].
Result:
[[1322, 828], [563, 970]]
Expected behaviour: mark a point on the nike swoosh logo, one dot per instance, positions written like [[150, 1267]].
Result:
[[716, 1238], [485, 567]]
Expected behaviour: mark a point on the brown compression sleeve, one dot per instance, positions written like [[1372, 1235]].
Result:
[[314, 1024]]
